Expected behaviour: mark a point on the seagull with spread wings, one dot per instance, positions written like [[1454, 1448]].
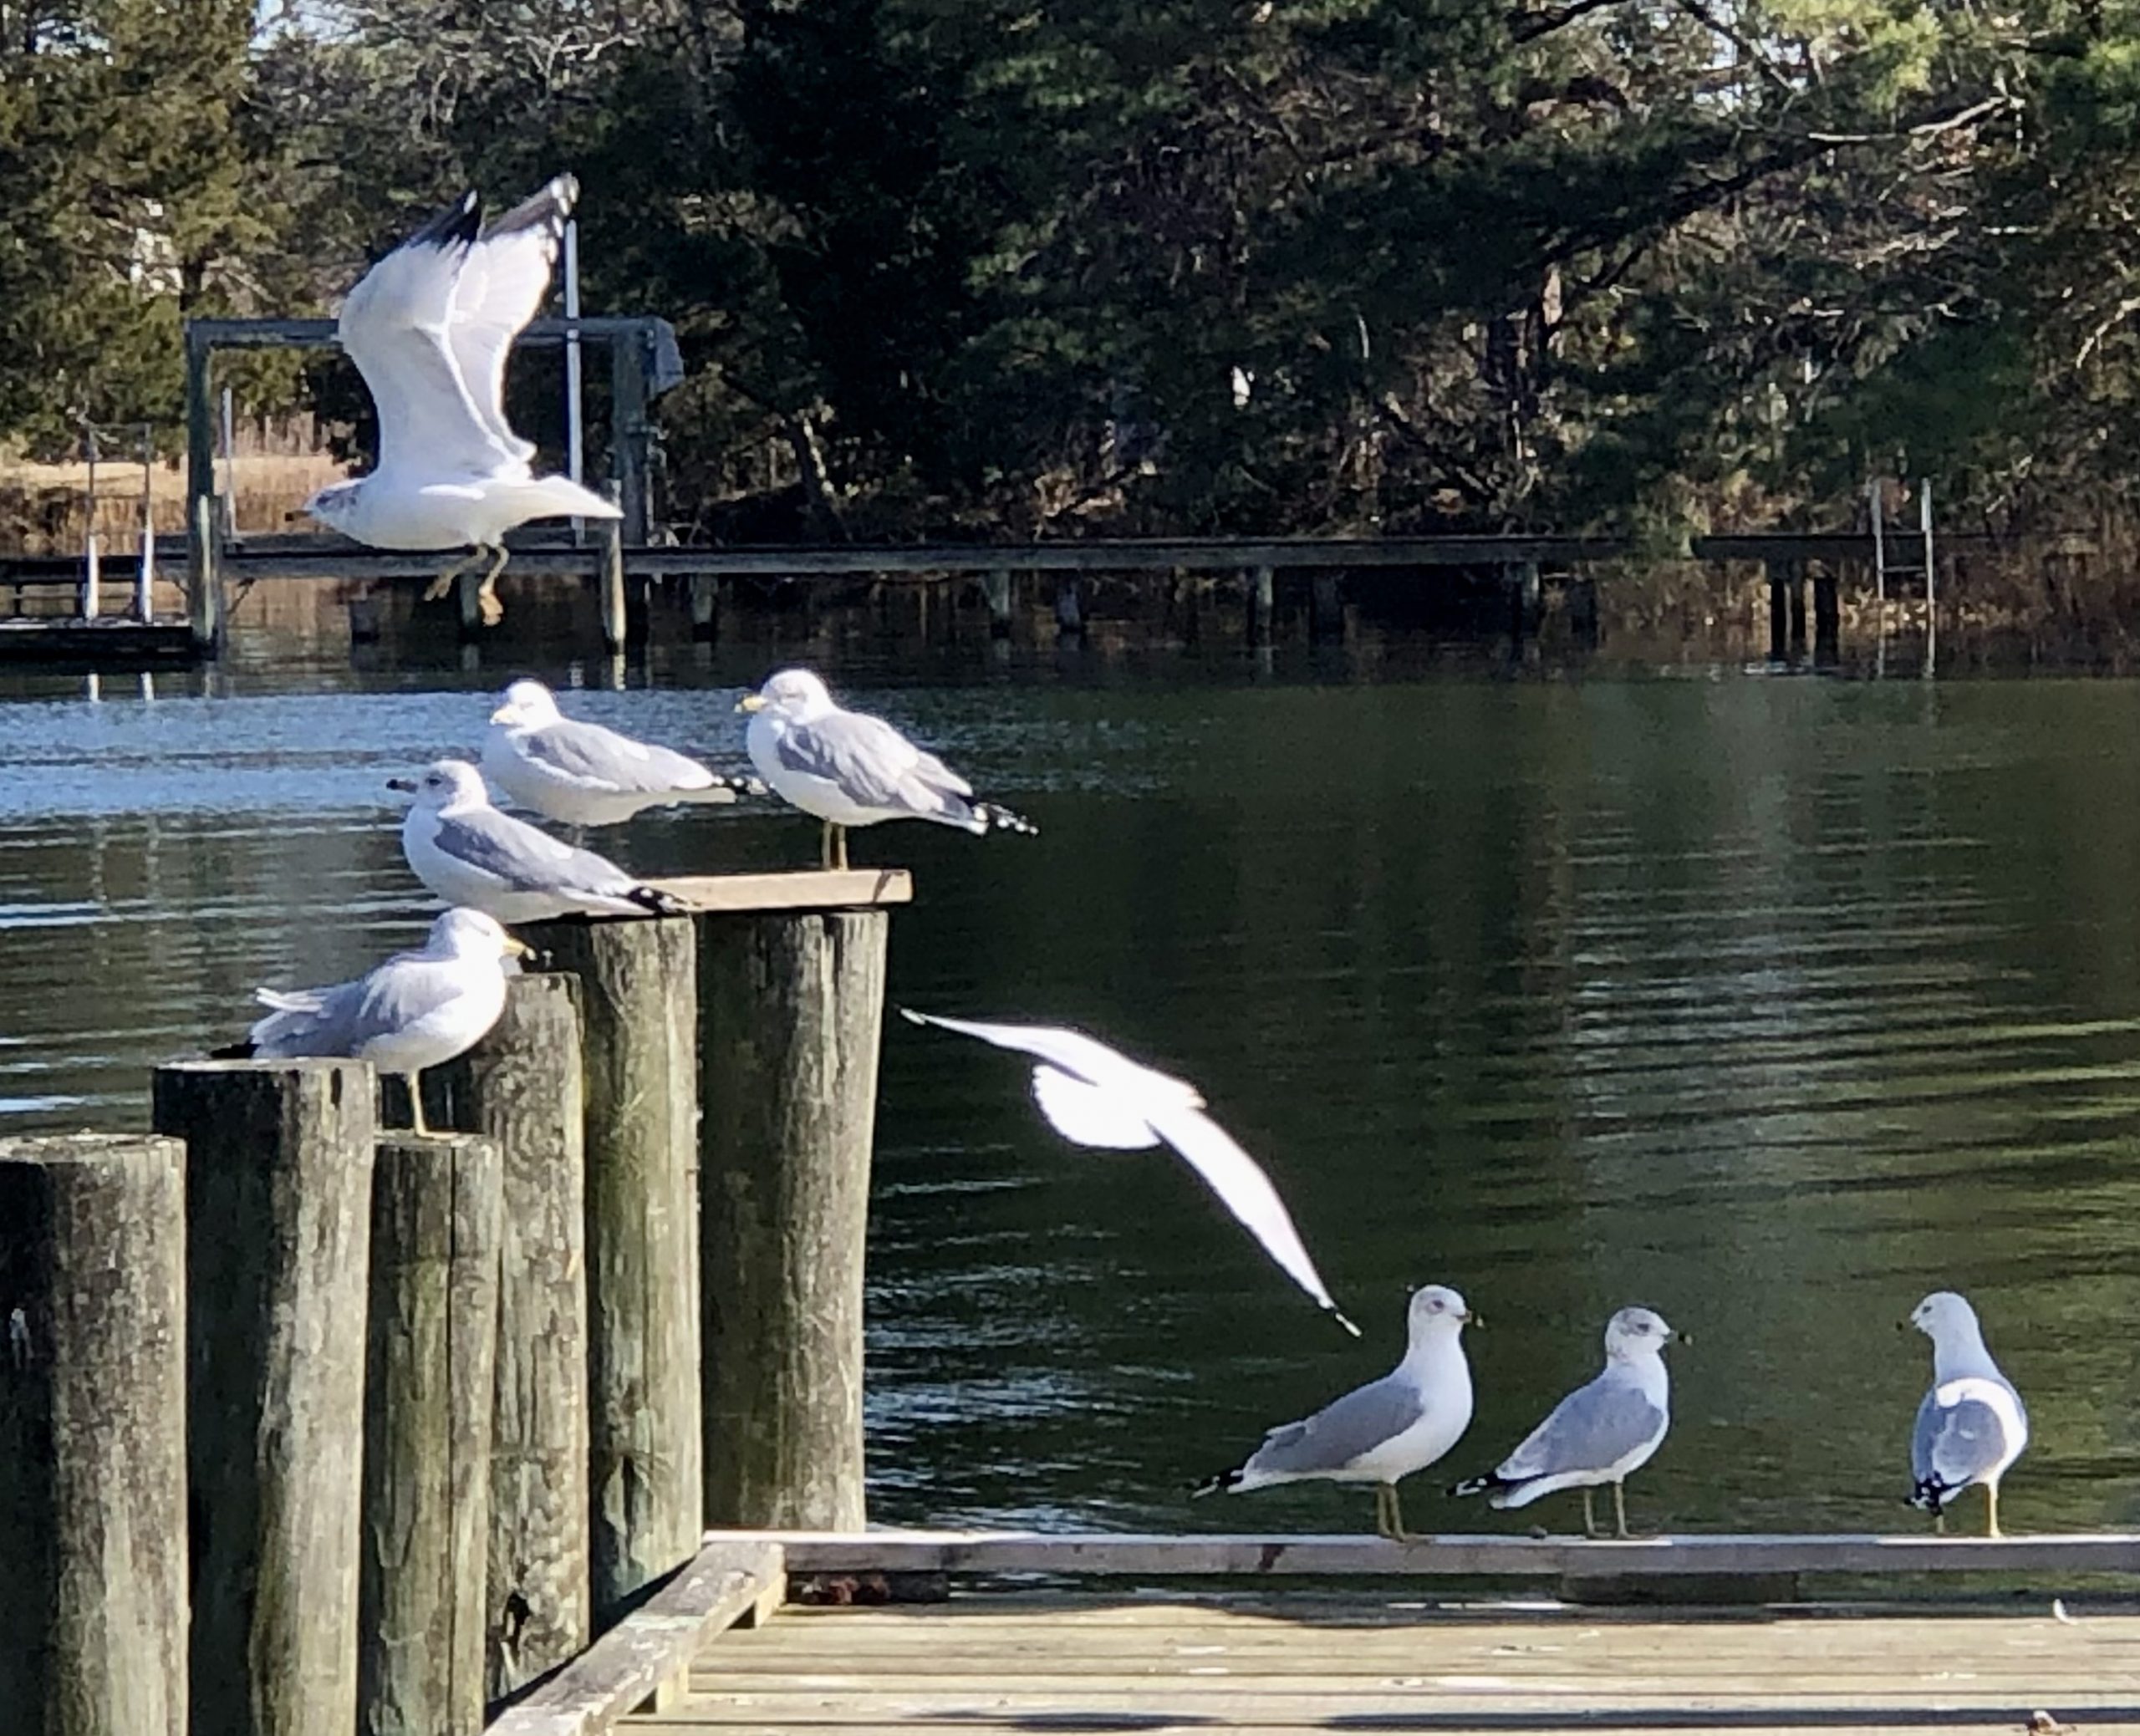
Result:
[[1093, 1095], [429, 328]]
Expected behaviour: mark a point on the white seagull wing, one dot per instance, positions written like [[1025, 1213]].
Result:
[[504, 280], [1085, 1059], [1090, 1114], [1245, 1191]]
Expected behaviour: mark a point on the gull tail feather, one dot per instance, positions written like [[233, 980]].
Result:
[[1931, 1494], [652, 898]]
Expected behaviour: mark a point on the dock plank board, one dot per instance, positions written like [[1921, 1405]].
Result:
[[1003, 1661]]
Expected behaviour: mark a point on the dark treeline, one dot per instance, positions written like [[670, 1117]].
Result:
[[1001, 267]]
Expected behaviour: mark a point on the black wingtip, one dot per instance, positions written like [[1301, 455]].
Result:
[[1000, 818], [456, 226], [1217, 1483], [1929, 1496], [652, 898], [1477, 1486], [233, 1052], [550, 204]]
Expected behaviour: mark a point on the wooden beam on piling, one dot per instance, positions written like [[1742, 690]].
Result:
[[521, 1086], [791, 1007], [705, 607], [1326, 616], [616, 626], [1070, 606], [435, 1225], [278, 1235], [1828, 616], [996, 586], [92, 1601], [638, 1012], [1262, 603]]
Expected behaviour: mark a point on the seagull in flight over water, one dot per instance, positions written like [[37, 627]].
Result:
[[429, 328], [1093, 1095]]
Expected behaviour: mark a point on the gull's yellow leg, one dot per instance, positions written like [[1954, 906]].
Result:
[[486, 594], [1397, 1531], [416, 1106], [1620, 1507], [443, 583], [839, 846], [1589, 1514], [1991, 1510]]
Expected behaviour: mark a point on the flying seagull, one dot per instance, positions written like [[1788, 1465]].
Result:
[[1601, 1433], [417, 1011], [583, 774], [1383, 1432], [1971, 1424], [429, 327], [467, 852], [1093, 1095], [850, 769]]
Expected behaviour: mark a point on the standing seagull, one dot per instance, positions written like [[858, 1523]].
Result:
[[418, 1009], [467, 852], [1599, 1433], [581, 773], [1384, 1431], [850, 769], [1971, 1424], [429, 327], [1093, 1095]]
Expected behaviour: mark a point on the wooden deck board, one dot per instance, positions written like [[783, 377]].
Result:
[[1029, 1661]]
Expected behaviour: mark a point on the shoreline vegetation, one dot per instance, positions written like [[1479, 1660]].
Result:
[[1330, 267]]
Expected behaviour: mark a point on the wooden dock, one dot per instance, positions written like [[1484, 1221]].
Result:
[[717, 1650]]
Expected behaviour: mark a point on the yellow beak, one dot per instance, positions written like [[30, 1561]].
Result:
[[500, 715], [751, 702], [517, 949]]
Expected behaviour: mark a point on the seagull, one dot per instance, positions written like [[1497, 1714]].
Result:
[[583, 774], [1093, 1095], [1599, 1434], [417, 1011], [1384, 1431], [429, 327], [850, 769], [467, 852], [1971, 1424]]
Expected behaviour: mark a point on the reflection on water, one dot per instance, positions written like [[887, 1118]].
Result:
[[1773, 1003]]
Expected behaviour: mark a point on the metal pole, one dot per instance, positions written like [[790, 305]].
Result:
[[92, 572], [230, 467], [145, 582], [1879, 545], [575, 427], [1931, 578]]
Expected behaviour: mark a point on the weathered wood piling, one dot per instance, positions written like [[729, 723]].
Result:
[[521, 1087], [435, 1225], [638, 1001], [278, 1246], [93, 1550]]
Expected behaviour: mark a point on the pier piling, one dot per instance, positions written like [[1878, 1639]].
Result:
[[435, 1225], [278, 1238], [93, 1601], [521, 1086], [792, 1006], [639, 1011]]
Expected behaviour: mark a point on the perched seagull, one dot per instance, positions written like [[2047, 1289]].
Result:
[[467, 852], [1599, 1434], [417, 1011], [429, 327], [583, 774], [1382, 1432], [1093, 1095], [1971, 1424], [850, 769]]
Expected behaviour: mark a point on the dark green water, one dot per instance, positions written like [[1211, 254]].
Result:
[[1772, 1003]]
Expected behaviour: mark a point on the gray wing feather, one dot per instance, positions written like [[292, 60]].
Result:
[[872, 762], [1342, 1431], [599, 756], [341, 1020], [1593, 1427], [525, 859], [1952, 1443]]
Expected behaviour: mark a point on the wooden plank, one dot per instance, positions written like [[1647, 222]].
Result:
[[1153, 1556], [813, 889], [725, 1582]]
